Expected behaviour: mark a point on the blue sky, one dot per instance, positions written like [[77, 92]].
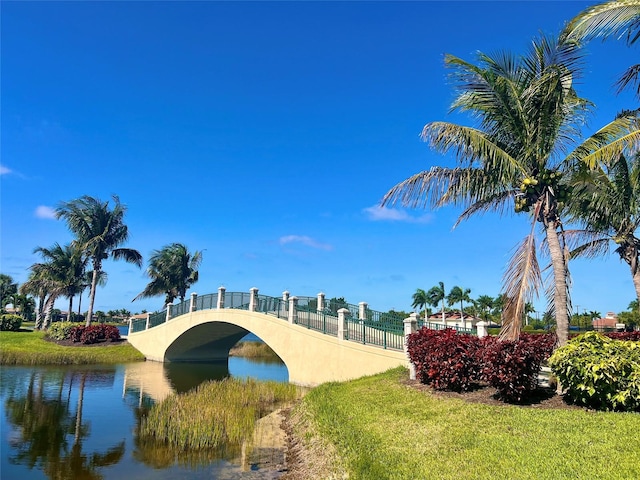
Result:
[[264, 134]]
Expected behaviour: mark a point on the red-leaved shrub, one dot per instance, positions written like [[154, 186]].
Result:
[[94, 334], [444, 359], [91, 334], [512, 367], [633, 336]]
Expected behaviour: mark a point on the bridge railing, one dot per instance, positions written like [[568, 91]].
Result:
[[207, 302], [238, 300], [180, 309], [324, 321], [156, 319], [440, 326], [273, 305], [138, 325], [362, 325]]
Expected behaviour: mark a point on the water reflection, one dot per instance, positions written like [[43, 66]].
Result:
[[50, 434], [80, 422]]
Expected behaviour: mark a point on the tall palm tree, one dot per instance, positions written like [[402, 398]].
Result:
[[619, 18], [46, 281], [67, 269], [172, 271], [528, 115], [37, 286], [456, 295], [606, 202], [419, 299], [100, 232], [485, 303], [435, 295]]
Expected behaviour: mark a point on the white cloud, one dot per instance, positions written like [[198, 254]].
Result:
[[45, 212], [304, 240], [384, 214], [4, 170]]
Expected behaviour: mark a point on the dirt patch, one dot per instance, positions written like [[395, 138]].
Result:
[[308, 456], [542, 397]]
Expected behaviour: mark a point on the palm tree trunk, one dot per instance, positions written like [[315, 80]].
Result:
[[636, 282], [70, 308], [92, 295], [48, 308], [444, 320], [40, 313], [560, 270]]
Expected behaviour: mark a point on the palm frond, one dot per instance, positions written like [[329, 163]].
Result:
[[630, 77], [522, 280], [498, 202], [471, 145], [609, 142], [619, 19]]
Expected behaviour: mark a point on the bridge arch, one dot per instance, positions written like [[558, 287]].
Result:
[[311, 357]]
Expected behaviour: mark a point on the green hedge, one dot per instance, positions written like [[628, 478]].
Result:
[[10, 322], [598, 372], [61, 330]]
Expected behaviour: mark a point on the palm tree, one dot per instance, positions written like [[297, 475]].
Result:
[[485, 303], [7, 288], [23, 305], [607, 204], [172, 271], [419, 299], [435, 295], [456, 295], [619, 18], [66, 269], [43, 282], [528, 115], [99, 234]]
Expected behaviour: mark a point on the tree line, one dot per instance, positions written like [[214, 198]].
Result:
[[99, 233]]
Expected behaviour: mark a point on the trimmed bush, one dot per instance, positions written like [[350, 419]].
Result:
[[512, 367], [599, 372], [10, 322], [94, 334], [61, 330], [444, 359]]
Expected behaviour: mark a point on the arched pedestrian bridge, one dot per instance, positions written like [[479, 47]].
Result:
[[318, 342]]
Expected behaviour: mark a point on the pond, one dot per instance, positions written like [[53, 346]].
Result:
[[75, 422]]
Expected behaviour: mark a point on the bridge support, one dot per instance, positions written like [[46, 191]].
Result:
[[293, 310], [320, 306], [410, 326], [362, 310], [342, 322], [482, 329], [253, 299], [221, 291]]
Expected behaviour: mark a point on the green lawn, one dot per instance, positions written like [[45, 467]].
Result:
[[383, 429], [30, 348]]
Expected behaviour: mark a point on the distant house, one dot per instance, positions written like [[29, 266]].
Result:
[[452, 319], [610, 322]]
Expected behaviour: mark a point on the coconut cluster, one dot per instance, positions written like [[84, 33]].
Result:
[[533, 188]]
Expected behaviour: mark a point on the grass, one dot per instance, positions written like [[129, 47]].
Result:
[[383, 429], [253, 350], [30, 348], [227, 412]]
